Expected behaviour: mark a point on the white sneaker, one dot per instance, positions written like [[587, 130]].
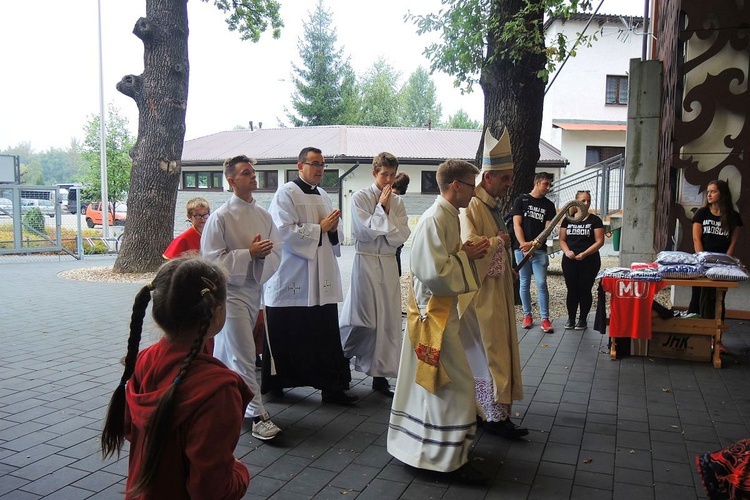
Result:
[[264, 429]]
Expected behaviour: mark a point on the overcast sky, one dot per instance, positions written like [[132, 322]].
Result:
[[49, 83]]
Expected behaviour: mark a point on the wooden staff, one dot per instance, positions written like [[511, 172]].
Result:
[[578, 216]]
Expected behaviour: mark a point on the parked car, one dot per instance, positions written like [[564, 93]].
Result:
[[94, 214], [74, 204], [45, 206], [6, 207]]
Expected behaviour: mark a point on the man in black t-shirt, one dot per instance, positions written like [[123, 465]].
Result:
[[531, 214]]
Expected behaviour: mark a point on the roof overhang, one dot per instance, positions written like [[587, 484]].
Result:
[[590, 125]]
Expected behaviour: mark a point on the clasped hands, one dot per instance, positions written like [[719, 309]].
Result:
[[260, 248], [330, 222], [476, 250]]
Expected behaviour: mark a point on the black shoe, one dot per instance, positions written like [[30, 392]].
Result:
[[468, 474], [570, 324], [258, 362], [380, 384], [338, 398], [581, 325], [277, 392], [505, 428]]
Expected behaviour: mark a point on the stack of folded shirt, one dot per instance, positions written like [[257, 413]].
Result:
[[679, 265], [722, 267], [643, 271]]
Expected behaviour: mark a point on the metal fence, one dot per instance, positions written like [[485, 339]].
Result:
[[604, 181], [35, 223]]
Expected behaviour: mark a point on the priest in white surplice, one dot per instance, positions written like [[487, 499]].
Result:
[[433, 417], [488, 316], [370, 321], [304, 345], [241, 236]]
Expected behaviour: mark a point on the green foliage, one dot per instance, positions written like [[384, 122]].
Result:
[[251, 17], [462, 120], [48, 167], [34, 220], [350, 96], [68, 237], [119, 163], [94, 247], [318, 97], [419, 100], [380, 102], [467, 25]]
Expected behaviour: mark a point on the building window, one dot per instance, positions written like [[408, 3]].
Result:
[[429, 182], [268, 180], [617, 90], [202, 180], [330, 180], [597, 154]]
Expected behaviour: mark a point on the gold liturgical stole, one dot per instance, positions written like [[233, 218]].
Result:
[[426, 334]]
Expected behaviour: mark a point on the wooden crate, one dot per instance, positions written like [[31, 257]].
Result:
[[680, 346]]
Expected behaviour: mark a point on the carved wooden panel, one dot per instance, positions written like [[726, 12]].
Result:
[[705, 132]]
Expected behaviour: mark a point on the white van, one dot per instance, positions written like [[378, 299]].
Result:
[[63, 199]]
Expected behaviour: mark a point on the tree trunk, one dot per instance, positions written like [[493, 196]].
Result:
[[161, 96], [514, 97]]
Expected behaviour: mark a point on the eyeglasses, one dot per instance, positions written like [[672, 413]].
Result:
[[315, 164], [201, 216], [472, 186]]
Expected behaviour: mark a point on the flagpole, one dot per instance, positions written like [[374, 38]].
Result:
[[103, 136]]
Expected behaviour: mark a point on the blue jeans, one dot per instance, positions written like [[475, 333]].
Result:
[[537, 264]]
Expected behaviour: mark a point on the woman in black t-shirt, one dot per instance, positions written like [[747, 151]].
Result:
[[580, 243], [715, 229]]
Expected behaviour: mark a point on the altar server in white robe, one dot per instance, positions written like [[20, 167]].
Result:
[[241, 236], [433, 417], [370, 320], [488, 316], [303, 344]]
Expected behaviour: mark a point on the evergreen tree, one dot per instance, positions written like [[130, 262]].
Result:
[[419, 100], [351, 96], [380, 102], [318, 98], [462, 120]]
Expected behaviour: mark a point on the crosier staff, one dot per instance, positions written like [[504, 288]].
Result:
[[578, 216]]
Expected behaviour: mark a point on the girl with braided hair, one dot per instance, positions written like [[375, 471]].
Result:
[[180, 408]]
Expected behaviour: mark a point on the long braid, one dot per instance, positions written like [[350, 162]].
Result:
[[159, 425], [113, 433]]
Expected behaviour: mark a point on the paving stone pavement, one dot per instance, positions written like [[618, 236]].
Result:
[[599, 428]]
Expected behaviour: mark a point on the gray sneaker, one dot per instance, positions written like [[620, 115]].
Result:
[[264, 429]]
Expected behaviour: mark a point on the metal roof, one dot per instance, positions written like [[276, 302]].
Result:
[[599, 19], [574, 125], [282, 145]]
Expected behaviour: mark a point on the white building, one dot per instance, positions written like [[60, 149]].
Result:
[[585, 108], [348, 151]]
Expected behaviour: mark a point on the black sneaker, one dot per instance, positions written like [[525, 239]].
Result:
[[581, 325], [505, 428], [570, 324]]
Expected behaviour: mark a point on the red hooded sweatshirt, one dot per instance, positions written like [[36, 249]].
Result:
[[197, 461]]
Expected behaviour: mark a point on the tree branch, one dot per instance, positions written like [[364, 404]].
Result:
[[131, 86], [144, 29]]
